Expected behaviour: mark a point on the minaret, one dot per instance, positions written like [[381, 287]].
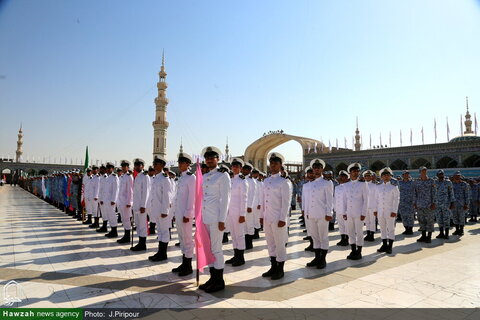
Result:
[[227, 152], [160, 124], [181, 145], [468, 123], [358, 145], [19, 145]]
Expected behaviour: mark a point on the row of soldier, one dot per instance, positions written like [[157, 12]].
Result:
[[242, 203]]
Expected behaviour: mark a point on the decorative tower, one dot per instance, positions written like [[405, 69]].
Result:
[[181, 145], [19, 145], [227, 152], [160, 124], [468, 123], [358, 145]]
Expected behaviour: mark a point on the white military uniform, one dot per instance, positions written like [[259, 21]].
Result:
[[320, 205], [338, 205], [161, 195], [252, 199], [306, 189], [110, 194], [257, 213], [216, 199], [355, 204], [183, 205], [125, 197], [101, 196], [91, 192], [141, 197], [237, 209], [277, 197], [387, 198], [370, 218]]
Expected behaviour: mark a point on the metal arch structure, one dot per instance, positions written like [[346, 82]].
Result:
[[257, 152]]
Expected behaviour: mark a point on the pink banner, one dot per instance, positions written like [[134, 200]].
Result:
[[203, 249]]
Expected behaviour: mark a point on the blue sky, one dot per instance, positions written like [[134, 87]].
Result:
[[79, 73]]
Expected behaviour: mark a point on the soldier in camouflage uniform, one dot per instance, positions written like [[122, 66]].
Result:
[[406, 209], [474, 200], [424, 202], [461, 191], [444, 200]]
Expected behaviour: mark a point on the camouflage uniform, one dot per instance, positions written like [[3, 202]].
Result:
[[405, 209], [474, 197], [462, 198], [443, 198], [424, 196]]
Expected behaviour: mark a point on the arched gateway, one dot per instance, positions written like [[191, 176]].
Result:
[[256, 153]]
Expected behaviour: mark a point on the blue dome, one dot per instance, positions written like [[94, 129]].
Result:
[[465, 138]]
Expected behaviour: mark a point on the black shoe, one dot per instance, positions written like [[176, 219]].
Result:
[[273, 267], [89, 220], [113, 233], [358, 253], [331, 226], [95, 224], [232, 259], [322, 263], [177, 244], [141, 245], [446, 234], [161, 255], [441, 235], [125, 238], [352, 253], [367, 236], [256, 235], [315, 261], [279, 271], [310, 246], [384, 246], [103, 228], [218, 283], [209, 281], [423, 238], [240, 261], [429, 238], [225, 237], [370, 236], [187, 268], [408, 231], [152, 227], [180, 267], [344, 240], [390, 245], [248, 242], [460, 233]]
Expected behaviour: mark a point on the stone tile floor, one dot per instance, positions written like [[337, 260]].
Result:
[[60, 263]]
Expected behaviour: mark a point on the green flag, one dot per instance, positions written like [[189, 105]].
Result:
[[85, 166]]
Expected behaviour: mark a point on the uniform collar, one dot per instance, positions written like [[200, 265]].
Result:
[[276, 175]]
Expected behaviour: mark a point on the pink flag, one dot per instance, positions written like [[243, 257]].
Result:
[[203, 249]]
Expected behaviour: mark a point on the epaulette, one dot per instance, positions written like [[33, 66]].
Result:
[[114, 174], [165, 175], [189, 173], [222, 170], [241, 176], [128, 173], [145, 173]]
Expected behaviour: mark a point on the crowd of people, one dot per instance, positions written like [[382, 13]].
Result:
[[241, 201]]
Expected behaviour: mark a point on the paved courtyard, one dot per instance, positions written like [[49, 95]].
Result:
[[60, 263]]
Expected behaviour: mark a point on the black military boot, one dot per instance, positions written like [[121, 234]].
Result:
[[187, 268], [248, 242], [141, 245], [390, 245], [409, 231], [460, 232], [344, 241], [273, 267], [310, 246], [457, 229], [331, 226], [446, 234], [79, 216], [314, 262], [367, 237], [119, 218], [152, 227], [113, 233], [89, 220], [125, 238], [225, 237], [358, 253], [161, 255], [103, 228], [256, 234], [429, 238], [180, 267], [441, 235], [218, 283], [234, 258], [384, 246], [240, 261], [279, 271], [322, 263], [352, 253], [209, 281], [95, 224], [423, 238]]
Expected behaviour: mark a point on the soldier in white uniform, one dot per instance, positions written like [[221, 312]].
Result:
[[216, 198], [101, 199], [257, 210], [85, 181], [91, 197], [309, 177], [251, 203], [110, 199], [161, 195], [370, 224], [125, 200], [387, 199], [355, 206], [277, 196], [236, 213], [319, 214], [183, 207], [338, 205], [141, 198]]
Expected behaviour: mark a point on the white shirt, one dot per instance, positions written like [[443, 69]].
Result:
[[238, 196], [387, 198], [355, 199], [141, 191], [277, 196], [371, 196], [160, 195], [125, 193], [183, 203], [338, 200], [91, 187], [252, 192], [110, 192], [216, 196], [259, 193], [102, 187], [306, 196], [320, 198]]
